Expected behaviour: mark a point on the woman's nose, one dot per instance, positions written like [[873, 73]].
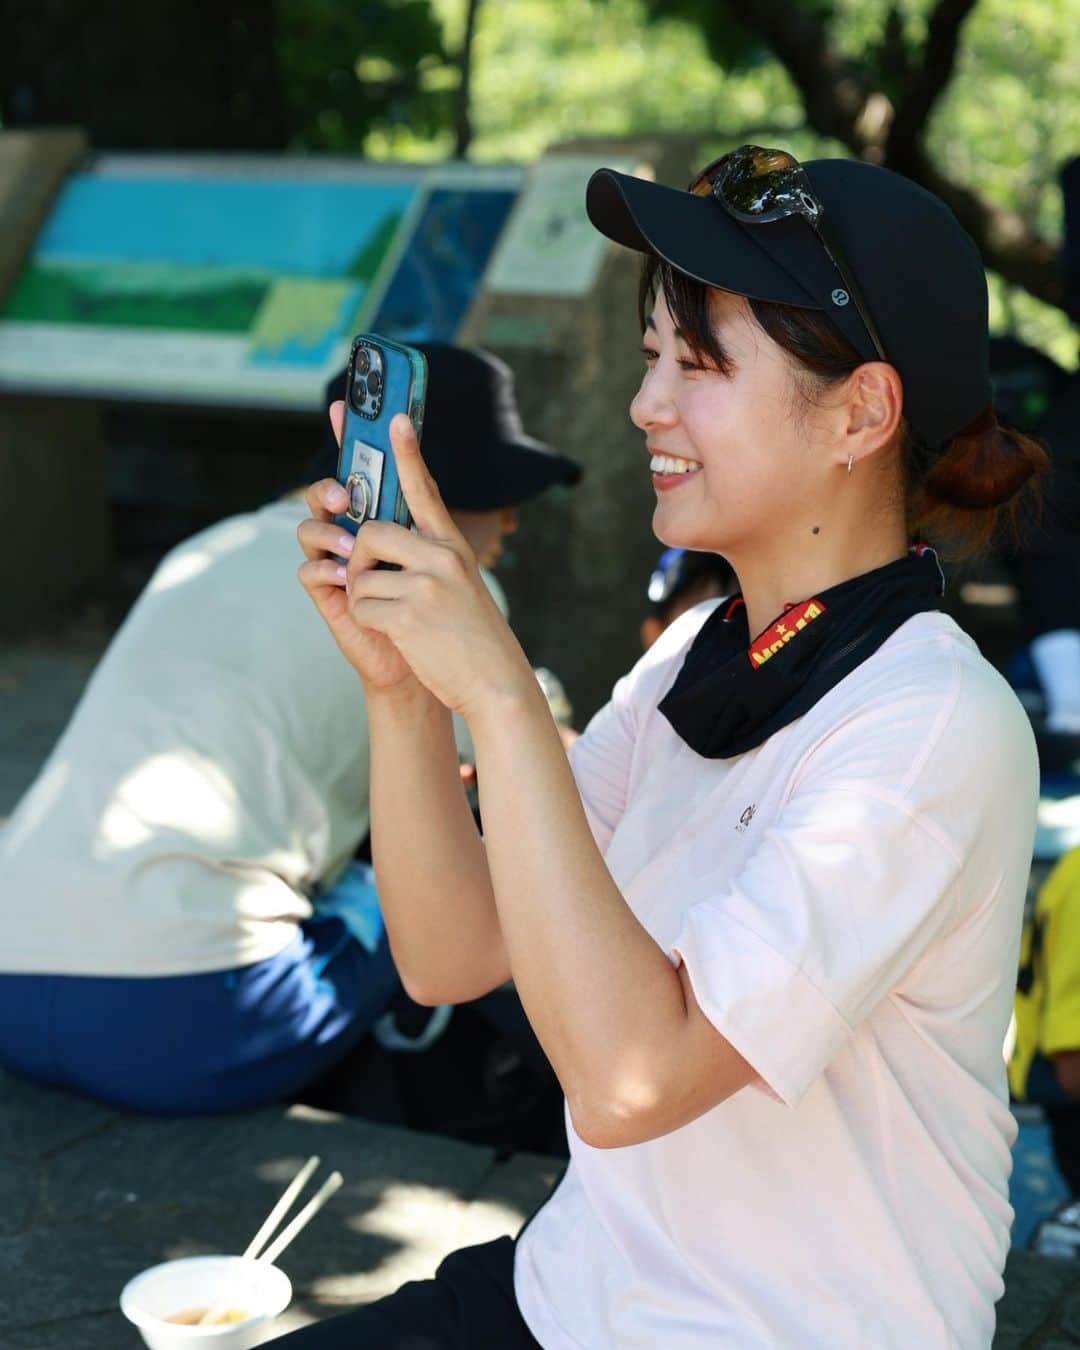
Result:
[[651, 406]]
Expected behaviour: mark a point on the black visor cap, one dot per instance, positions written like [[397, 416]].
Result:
[[920, 273]]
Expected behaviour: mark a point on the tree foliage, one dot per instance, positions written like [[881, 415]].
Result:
[[349, 68], [1000, 114]]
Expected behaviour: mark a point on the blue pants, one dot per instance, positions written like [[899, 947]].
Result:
[[186, 1044]]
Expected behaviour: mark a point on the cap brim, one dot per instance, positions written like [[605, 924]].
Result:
[[694, 234], [519, 470]]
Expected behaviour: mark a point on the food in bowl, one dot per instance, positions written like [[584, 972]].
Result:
[[191, 1317]]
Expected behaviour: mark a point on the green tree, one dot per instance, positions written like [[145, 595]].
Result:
[[350, 68], [996, 103], [878, 100]]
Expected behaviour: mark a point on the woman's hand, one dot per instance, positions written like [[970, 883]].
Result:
[[435, 610], [323, 576]]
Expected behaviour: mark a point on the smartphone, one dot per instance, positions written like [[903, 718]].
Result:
[[383, 378]]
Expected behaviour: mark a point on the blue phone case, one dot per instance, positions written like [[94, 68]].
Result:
[[366, 466]]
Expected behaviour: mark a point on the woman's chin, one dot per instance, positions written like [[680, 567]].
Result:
[[675, 533]]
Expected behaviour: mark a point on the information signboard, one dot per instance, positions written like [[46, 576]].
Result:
[[215, 280]]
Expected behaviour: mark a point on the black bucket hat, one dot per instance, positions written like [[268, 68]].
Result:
[[920, 273], [473, 443]]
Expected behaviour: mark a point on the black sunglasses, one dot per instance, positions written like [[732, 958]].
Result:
[[756, 186]]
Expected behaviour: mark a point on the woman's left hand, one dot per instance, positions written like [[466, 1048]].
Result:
[[435, 609]]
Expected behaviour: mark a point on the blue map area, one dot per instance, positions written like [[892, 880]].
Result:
[[298, 226], [440, 271]]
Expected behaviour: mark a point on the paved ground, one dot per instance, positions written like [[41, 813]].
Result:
[[89, 1196]]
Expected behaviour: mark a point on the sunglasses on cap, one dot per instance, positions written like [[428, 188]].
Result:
[[757, 186]]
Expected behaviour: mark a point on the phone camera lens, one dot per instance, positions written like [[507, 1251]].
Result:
[[374, 383], [363, 361]]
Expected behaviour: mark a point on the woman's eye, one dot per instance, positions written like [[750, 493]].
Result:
[[649, 354]]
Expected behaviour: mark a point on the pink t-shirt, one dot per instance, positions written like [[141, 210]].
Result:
[[847, 899]]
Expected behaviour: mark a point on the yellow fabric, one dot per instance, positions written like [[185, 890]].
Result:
[[1048, 986]]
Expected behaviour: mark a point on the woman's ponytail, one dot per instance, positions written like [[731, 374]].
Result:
[[981, 490]]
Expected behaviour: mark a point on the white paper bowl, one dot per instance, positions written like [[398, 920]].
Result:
[[262, 1290]]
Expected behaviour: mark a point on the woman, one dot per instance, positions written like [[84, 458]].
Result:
[[765, 922]]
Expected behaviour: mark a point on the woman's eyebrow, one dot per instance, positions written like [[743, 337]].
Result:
[[678, 332]]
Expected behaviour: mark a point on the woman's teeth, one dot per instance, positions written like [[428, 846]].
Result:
[[669, 464]]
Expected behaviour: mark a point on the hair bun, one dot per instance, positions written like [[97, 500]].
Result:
[[984, 465]]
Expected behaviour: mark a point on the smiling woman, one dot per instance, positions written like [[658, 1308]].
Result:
[[770, 910]]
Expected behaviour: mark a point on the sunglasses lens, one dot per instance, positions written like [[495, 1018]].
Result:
[[702, 184], [762, 184]]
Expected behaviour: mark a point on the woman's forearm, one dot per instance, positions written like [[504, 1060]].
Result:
[[430, 865], [604, 1000]]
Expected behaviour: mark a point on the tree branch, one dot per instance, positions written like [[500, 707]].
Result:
[[937, 67], [834, 91], [841, 100], [1009, 246]]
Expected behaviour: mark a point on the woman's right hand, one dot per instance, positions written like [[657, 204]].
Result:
[[376, 659]]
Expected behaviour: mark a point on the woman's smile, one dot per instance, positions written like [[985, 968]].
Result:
[[669, 471]]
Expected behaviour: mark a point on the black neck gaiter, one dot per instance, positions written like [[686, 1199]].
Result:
[[732, 694]]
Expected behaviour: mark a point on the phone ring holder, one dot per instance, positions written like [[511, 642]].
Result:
[[359, 490]]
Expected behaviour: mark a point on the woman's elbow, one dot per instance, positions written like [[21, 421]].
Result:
[[430, 989], [610, 1123]]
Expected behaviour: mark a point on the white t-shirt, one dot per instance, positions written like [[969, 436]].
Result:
[[847, 899], [215, 769]]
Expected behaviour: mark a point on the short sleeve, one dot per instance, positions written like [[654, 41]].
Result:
[[843, 896], [1059, 899]]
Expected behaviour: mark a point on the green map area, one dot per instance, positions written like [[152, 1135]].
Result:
[[139, 295]]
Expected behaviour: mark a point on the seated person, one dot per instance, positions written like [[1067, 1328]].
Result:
[[165, 872], [1036, 394], [1044, 1067], [683, 578]]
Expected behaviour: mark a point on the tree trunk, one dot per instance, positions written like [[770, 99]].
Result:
[[462, 119]]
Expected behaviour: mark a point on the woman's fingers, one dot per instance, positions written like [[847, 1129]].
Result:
[[423, 497], [326, 499], [318, 573], [381, 541], [320, 537], [336, 413]]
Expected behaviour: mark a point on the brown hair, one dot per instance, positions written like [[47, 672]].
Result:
[[979, 490]]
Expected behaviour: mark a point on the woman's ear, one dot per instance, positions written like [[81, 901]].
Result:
[[875, 405]]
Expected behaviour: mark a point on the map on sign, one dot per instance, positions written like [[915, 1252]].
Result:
[[550, 247], [217, 281]]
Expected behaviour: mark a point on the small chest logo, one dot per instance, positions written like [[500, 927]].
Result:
[[745, 819]]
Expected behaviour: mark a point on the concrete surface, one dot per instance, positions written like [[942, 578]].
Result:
[[90, 1196]]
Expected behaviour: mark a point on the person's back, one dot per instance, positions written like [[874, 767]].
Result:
[[184, 932], [203, 786]]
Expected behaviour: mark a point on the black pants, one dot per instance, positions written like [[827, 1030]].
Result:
[[469, 1305]]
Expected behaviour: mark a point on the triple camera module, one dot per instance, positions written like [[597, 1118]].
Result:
[[364, 481], [366, 382]]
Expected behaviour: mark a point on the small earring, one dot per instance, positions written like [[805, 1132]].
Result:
[[850, 461]]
